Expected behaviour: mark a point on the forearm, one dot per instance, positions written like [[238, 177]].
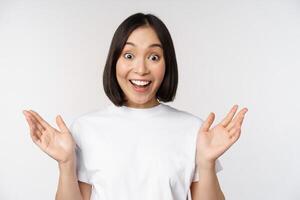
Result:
[[68, 188], [207, 188]]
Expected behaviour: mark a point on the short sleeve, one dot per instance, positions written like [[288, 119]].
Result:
[[218, 167], [81, 171]]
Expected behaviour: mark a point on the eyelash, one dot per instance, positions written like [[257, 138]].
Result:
[[151, 55]]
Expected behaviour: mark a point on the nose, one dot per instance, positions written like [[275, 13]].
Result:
[[140, 67]]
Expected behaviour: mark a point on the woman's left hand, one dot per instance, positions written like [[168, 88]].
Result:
[[212, 143]]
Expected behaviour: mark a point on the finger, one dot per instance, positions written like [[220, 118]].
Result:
[[61, 124], [208, 122], [36, 123], [39, 130], [32, 125], [237, 126], [34, 132], [238, 118], [241, 121], [36, 140], [234, 134], [229, 116], [44, 124]]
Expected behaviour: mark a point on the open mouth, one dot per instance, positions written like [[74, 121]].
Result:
[[140, 84]]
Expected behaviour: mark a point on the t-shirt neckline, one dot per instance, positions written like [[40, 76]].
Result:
[[141, 112]]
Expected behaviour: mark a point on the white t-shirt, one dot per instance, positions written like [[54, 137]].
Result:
[[132, 154]]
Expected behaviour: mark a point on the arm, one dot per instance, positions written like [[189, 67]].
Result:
[[85, 189], [68, 186], [211, 144], [207, 188], [60, 145]]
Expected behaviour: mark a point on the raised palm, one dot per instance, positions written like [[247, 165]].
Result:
[[59, 145], [212, 143]]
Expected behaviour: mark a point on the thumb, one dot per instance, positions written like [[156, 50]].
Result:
[[61, 124], [208, 122]]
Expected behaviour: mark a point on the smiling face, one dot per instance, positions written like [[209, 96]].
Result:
[[140, 69]]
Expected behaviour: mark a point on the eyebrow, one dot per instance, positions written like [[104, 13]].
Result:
[[152, 45]]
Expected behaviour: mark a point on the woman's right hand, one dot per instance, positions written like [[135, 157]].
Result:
[[60, 145]]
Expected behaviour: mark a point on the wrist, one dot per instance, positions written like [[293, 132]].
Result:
[[68, 164], [206, 165]]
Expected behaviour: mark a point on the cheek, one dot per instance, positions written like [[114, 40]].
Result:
[[160, 72], [121, 70], [120, 75]]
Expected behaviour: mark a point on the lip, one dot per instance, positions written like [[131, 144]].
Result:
[[138, 89], [139, 80]]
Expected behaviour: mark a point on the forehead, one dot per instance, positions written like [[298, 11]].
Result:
[[143, 37]]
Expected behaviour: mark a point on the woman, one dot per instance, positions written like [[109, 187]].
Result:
[[138, 147]]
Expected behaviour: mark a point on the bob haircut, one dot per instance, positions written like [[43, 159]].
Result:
[[168, 87]]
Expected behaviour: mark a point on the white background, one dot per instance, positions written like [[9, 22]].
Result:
[[52, 55]]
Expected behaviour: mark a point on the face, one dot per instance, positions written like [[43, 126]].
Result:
[[140, 68]]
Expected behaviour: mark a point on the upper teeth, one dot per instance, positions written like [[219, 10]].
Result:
[[140, 82]]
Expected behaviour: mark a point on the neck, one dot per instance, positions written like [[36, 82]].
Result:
[[149, 104]]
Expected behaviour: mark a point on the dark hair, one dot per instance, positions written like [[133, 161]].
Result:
[[168, 87]]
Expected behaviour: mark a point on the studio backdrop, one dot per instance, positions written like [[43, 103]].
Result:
[[52, 56]]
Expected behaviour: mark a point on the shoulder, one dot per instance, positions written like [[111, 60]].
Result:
[[91, 115], [84, 120], [183, 114], [183, 117]]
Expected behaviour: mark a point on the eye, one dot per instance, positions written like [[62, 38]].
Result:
[[128, 55], [154, 57]]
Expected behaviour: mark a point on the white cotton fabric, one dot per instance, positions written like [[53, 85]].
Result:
[[132, 153]]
